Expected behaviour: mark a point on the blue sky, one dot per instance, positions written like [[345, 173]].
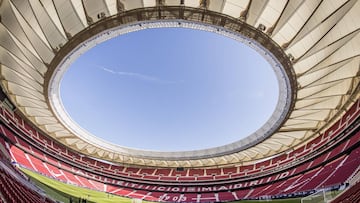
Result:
[[170, 89]]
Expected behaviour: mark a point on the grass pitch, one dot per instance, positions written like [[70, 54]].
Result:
[[63, 192]]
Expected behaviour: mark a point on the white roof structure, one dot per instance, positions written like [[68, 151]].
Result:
[[315, 43]]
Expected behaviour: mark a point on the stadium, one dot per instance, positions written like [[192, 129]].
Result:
[[307, 151]]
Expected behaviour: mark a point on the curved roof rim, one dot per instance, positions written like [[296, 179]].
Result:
[[281, 110]]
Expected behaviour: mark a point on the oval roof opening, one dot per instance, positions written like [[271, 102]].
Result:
[[170, 89]]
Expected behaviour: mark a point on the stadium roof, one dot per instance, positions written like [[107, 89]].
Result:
[[316, 43]]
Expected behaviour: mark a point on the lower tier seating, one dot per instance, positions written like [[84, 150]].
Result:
[[13, 184], [349, 196], [331, 174]]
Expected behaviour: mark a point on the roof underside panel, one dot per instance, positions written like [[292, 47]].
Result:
[[234, 8], [52, 32], [38, 42], [217, 5], [18, 90], [271, 13], [11, 75], [71, 15], [132, 4], [111, 6], [52, 13], [295, 22], [95, 10], [24, 9], [328, 13], [8, 20]]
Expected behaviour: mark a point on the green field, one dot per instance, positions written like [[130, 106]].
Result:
[[63, 192]]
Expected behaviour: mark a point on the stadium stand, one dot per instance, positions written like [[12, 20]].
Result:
[[321, 166], [13, 183]]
